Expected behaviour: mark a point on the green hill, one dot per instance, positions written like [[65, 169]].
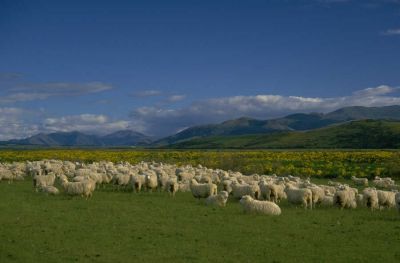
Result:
[[293, 122], [364, 134]]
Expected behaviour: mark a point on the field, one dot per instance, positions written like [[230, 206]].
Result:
[[313, 163], [121, 226]]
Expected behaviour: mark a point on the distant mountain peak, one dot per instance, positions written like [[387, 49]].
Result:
[[76, 138]]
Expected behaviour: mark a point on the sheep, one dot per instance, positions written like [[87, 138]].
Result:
[[227, 185], [240, 190], [383, 182], [78, 188], [317, 194], [386, 199], [43, 180], [331, 190], [202, 190], [137, 182], [397, 199], [218, 200], [272, 192], [151, 182], [172, 186], [335, 184], [121, 180], [184, 186], [360, 181], [345, 199], [301, 196], [50, 190], [259, 207], [370, 198], [327, 200]]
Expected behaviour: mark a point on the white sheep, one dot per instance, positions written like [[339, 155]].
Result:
[[43, 180], [301, 196], [345, 198], [327, 200], [172, 186], [202, 190], [137, 181], [360, 181], [240, 190], [52, 190], [272, 192], [184, 186], [151, 182], [370, 198], [79, 188], [218, 200], [318, 194], [386, 199], [259, 207]]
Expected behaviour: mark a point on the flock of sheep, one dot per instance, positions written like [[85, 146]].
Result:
[[257, 193]]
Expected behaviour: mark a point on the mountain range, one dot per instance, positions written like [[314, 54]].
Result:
[[339, 129], [293, 122], [119, 138]]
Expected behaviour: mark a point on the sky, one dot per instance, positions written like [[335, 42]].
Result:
[[158, 67]]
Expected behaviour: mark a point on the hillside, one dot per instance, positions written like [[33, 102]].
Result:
[[293, 122], [364, 134]]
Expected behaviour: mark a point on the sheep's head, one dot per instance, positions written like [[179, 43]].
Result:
[[245, 198]]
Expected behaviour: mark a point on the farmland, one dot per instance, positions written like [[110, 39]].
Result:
[[119, 225], [309, 163], [123, 226]]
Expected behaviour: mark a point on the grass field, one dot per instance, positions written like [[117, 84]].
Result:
[[128, 227]]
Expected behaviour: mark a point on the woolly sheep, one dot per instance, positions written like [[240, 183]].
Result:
[[386, 199], [370, 198], [218, 200], [317, 194], [50, 190], [327, 200], [360, 181], [240, 190], [259, 207], [202, 190], [184, 186], [43, 180], [151, 182], [172, 186], [345, 199], [78, 188], [137, 182], [272, 192], [301, 196]]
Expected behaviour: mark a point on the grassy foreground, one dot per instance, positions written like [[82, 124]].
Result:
[[127, 227]]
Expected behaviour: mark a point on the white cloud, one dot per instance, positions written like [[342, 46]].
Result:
[[14, 123], [392, 32], [160, 121], [64, 88], [176, 98], [10, 76], [41, 91], [147, 93], [89, 123]]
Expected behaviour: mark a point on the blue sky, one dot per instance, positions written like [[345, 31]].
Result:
[[160, 66]]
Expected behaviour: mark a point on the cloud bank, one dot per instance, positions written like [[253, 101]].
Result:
[[165, 119], [162, 121]]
